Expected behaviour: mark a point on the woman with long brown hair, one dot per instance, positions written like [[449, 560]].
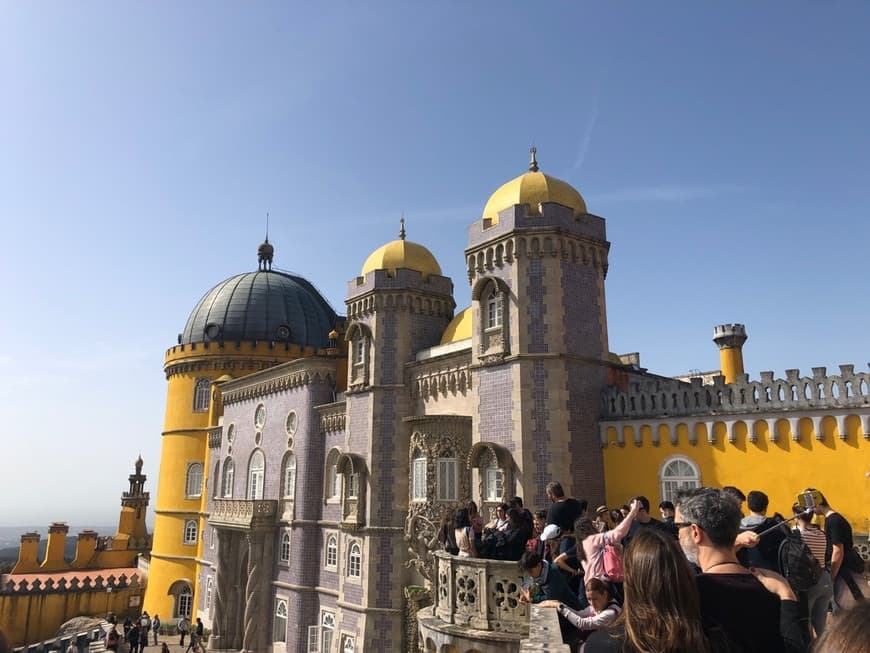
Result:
[[662, 612]]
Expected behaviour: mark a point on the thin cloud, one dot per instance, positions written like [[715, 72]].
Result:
[[676, 193], [587, 136]]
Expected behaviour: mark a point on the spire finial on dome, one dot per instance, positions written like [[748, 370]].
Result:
[[265, 252], [402, 226], [533, 162]]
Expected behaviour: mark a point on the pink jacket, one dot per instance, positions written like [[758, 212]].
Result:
[[593, 546]]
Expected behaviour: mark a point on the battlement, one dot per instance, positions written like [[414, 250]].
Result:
[[241, 347], [66, 582], [669, 398], [729, 335]]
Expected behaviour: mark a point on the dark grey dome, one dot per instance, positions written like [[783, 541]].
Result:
[[263, 305]]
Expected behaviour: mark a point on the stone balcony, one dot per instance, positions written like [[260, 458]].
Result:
[[242, 514], [476, 607]]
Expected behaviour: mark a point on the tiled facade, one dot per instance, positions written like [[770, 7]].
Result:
[[520, 398]]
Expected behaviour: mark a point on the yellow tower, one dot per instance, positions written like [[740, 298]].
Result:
[[730, 339], [246, 323]]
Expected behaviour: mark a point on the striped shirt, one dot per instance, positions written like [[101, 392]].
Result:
[[817, 543]]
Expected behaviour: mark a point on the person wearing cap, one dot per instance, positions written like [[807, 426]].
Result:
[[600, 521]]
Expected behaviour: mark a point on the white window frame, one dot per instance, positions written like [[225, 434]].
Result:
[[184, 603], [284, 549], [313, 639], [229, 472], [193, 481], [256, 476], [442, 493], [354, 560], [493, 484], [280, 634], [201, 395], [213, 539], [418, 478], [209, 589], [493, 310], [353, 485], [670, 485], [191, 532], [348, 644], [327, 550], [327, 630], [290, 476], [333, 483], [359, 350]]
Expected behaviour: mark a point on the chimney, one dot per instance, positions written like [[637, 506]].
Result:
[[730, 338], [54, 550], [86, 547], [27, 562]]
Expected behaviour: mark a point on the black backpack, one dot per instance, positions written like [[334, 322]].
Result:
[[797, 564]]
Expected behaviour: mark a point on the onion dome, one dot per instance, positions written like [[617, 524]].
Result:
[[533, 188], [402, 253], [459, 328], [266, 305]]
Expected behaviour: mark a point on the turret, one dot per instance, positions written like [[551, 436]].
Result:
[[27, 562], [54, 549], [730, 338]]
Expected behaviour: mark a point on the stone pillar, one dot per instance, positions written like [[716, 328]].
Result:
[[218, 638], [257, 568]]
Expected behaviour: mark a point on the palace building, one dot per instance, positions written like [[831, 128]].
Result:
[[308, 456]]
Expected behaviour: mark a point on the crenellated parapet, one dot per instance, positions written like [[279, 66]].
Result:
[[668, 398], [695, 408], [35, 584]]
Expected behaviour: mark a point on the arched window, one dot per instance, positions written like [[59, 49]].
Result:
[[215, 480], [229, 469], [280, 631], [209, 590], [347, 645], [418, 476], [332, 484], [284, 554], [190, 531], [289, 476], [193, 483], [354, 560], [359, 349], [183, 595], [256, 472], [201, 395], [331, 552], [678, 472]]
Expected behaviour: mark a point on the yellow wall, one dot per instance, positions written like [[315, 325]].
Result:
[[781, 469], [48, 611]]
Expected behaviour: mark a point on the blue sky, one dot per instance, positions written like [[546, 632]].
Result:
[[142, 144]]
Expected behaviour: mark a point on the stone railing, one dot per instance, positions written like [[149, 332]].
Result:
[[670, 398], [480, 594], [238, 513]]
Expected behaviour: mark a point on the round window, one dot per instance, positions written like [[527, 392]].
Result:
[[292, 422], [260, 417]]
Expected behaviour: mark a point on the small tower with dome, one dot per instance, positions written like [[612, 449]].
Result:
[[536, 261]]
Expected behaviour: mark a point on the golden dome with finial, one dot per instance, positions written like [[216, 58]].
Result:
[[533, 188], [402, 253]]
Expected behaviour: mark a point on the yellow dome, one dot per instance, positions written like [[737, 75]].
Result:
[[402, 253], [459, 327], [533, 188]]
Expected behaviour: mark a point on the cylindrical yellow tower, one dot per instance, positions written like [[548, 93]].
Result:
[[730, 338], [247, 323]]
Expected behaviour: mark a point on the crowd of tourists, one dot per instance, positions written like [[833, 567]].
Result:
[[705, 577]]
